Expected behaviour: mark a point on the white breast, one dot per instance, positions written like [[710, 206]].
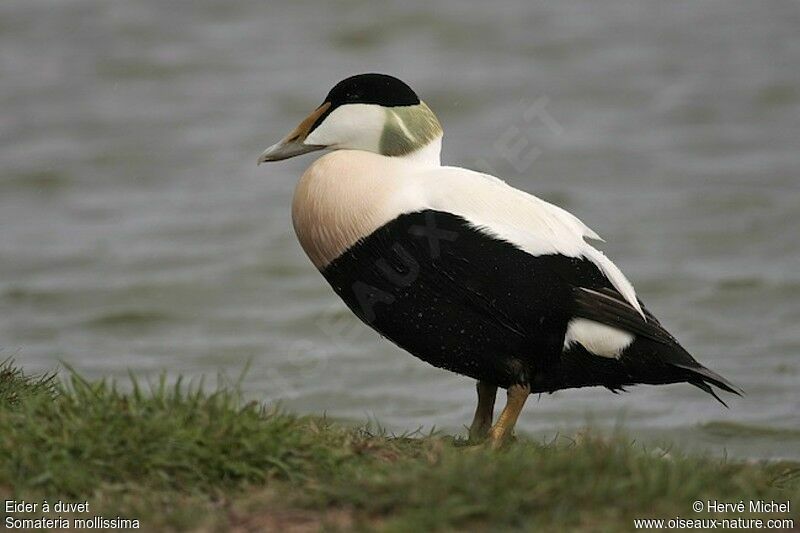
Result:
[[342, 197]]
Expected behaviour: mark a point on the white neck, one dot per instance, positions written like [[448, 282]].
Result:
[[429, 155]]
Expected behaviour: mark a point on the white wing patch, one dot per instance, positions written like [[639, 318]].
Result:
[[597, 338]]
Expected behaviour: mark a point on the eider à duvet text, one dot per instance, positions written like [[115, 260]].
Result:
[[462, 270]]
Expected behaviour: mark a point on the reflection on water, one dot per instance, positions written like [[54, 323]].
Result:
[[138, 234]]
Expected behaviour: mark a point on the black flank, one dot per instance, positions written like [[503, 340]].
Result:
[[466, 302]]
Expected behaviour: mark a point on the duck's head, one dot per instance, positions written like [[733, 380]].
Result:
[[372, 112]]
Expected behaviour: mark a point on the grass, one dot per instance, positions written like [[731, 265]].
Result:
[[177, 458]]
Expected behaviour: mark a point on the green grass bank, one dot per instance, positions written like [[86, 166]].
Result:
[[177, 458]]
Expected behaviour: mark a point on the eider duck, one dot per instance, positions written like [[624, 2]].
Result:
[[462, 270]]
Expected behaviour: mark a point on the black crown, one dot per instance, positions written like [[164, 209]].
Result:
[[380, 89]]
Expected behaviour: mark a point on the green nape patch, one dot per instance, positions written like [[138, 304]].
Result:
[[175, 457]]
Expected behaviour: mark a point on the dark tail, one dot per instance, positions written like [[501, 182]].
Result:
[[701, 377]]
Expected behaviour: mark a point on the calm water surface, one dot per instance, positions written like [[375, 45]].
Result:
[[136, 232]]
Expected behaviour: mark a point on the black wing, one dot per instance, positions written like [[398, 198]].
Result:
[[606, 306]]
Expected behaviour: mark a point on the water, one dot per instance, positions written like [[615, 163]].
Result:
[[138, 234]]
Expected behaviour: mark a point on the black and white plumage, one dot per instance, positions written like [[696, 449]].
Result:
[[459, 268]]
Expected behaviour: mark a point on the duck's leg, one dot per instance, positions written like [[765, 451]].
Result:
[[484, 413], [502, 431]]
